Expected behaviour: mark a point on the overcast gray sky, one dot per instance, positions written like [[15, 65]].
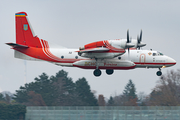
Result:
[[74, 23]]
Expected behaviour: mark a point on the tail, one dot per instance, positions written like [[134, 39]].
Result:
[[24, 32], [28, 46], [25, 37]]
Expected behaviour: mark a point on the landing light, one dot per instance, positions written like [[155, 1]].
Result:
[[163, 66]]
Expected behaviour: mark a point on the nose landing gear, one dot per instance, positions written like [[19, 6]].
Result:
[[159, 73]]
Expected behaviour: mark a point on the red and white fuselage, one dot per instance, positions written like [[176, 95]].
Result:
[[120, 54], [69, 57]]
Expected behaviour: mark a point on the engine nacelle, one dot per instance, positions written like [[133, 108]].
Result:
[[118, 43], [105, 64], [112, 44]]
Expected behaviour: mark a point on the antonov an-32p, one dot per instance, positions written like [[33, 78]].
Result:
[[118, 54]]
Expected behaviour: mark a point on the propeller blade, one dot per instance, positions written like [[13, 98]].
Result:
[[128, 36], [140, 39]]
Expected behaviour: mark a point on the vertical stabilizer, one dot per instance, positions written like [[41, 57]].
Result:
[[24, 32]]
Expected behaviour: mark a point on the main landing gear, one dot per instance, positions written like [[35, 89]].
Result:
[[97, 72], [109, 71], [159, 73]]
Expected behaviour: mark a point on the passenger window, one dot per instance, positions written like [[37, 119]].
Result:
[[154, 54]]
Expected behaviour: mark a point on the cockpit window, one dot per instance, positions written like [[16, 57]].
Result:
[[160, 53], [157, 54], [154, 54]]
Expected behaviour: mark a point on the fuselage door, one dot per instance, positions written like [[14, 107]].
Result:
[[142, 58]]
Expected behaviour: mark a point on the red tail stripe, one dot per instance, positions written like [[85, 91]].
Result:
[[49, 53]]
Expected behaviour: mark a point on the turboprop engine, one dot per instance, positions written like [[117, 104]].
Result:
[[105, 49], [105, 64]]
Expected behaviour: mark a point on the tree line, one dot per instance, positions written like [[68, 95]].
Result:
[[165, 93], [60, 90]]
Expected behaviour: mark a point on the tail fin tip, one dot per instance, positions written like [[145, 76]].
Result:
[[21, 14]]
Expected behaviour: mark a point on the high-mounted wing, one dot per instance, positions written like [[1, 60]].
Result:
[[94, 50]]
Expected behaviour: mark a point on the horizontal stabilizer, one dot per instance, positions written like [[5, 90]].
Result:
[[101, 49], [14, 45]]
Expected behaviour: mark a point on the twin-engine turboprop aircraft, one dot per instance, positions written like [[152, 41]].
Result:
[[119, 54]]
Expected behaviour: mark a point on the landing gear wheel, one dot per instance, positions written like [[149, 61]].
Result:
[[159, 73], [97, 72], [109, 71]]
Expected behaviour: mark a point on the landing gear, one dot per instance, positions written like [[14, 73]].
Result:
[[159, 73], [97, 72], [109, 71]]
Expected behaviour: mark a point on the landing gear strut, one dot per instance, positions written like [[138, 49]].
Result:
[[159, 73], [97, 71], [109, 71]]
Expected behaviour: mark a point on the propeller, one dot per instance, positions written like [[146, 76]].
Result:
[[128, 43], [139, 39]]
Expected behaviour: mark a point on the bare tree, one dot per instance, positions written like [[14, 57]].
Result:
[[167, 90], [101, 100], [142, 99]]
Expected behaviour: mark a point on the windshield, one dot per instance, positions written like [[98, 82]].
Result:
[[157, 54]]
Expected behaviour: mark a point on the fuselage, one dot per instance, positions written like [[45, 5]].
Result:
[[141, 59]]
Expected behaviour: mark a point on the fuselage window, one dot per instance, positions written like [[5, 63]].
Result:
[[119, 58], [76, 57], [70, 52], [154, 54], [62, 56]]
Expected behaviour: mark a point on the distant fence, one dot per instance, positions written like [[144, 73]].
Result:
[[104, 113]]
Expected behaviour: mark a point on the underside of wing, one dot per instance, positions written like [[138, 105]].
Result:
[[94, 50]]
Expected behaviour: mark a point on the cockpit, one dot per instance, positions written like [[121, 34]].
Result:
[[157, 54]]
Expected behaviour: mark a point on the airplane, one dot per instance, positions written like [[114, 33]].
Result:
[[117, 54]]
